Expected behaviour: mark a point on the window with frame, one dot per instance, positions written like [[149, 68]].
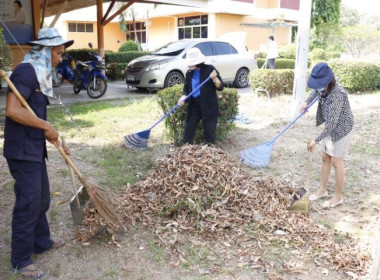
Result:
[[140, 32], [193, 27], [81, 27]]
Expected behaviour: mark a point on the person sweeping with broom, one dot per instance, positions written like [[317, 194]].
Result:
[[203, 104], [334, 110], [25, 136]]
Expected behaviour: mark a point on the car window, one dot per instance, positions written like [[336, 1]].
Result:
[[205, 48], [222, 48], [172, 49]]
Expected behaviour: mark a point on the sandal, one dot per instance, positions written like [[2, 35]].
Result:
[[316, 197], [56, 244], [29, 272], [327, 204]]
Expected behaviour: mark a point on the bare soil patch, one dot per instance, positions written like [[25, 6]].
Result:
[[142, 256]]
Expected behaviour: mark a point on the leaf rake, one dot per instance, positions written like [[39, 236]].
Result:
[[259, 156]]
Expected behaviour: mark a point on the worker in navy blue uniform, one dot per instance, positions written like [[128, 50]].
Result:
[[25, 138], [203, 104]]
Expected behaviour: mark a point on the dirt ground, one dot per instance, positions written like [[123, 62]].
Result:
[[140, 257]]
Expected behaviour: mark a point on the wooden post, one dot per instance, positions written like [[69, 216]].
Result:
[[100, 28], [300, 73]]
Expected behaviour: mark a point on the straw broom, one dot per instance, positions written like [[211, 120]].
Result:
[[105, 203]]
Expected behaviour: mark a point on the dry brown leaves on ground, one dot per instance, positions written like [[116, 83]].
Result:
[[200, 194]]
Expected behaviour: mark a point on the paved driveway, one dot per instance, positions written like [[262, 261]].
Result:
[[116, 90]]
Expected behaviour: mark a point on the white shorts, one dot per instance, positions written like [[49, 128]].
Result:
[[337, 149]]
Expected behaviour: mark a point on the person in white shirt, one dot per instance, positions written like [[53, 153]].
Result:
[[272, 53]]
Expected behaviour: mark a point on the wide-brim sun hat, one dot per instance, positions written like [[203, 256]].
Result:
[[320, 76], [50, 37], [194, 57]]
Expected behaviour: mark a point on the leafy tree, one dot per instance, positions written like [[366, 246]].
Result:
[[325, 11], [360, 41], [349, 16], [373, 21], [327, 36], [325, 24], [123, 25]]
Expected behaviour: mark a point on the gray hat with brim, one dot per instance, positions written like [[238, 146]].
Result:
[[320, 76], [50, 37]]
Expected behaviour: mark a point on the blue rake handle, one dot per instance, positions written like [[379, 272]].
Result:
[[176, 106], [293, 121]]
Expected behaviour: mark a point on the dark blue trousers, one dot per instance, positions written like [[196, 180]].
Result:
[[30, 228], [209, 126]]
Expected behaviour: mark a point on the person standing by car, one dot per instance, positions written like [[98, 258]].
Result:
[[203, 104], [272, 53], [25, 136], [334, 110]]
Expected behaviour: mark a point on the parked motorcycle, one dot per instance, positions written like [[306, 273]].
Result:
[[65, 71], [84, 75]]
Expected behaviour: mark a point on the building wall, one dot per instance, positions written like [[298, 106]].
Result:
[[255, 36], [267, 4], [161, 31], [114, 37]]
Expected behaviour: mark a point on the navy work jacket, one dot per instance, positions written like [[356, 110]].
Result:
[[24, 142]]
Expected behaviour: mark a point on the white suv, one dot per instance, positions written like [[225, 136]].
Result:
[[166, 66]]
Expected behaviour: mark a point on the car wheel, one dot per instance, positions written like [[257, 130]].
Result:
[[173, 78], [241, 78]]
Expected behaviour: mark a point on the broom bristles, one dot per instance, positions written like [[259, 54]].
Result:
[[137, 141], [105, 203]]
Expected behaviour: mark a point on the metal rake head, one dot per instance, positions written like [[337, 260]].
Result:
[[137, 141], [258, 156]]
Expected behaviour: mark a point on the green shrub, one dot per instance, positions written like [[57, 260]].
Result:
[[128, 46], [6, 56], [332, 55], [357, 76], [284, 63], [276, 82], [124, 57], [228, 106], [288, 52], [280, 63], [317, 54], [261, 54]]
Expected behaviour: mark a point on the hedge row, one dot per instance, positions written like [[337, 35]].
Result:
[[353, 76], [280, 63], [357, 76], [276, 82]]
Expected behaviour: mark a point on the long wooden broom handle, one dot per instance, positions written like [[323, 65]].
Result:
[[26, 105]]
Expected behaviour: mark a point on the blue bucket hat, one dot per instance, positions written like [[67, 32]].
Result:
[[320, 76], [50, 37]]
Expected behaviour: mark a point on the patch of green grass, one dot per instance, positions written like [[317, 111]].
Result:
[[195, 256], [340, 237], [53, 214], [104, 120], [64, 172], [327, 224], [158, 251]]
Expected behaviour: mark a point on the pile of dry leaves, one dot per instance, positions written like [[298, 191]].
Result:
[[200, 194]]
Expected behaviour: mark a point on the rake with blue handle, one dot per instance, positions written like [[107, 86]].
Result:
[[259, 156], [139, 140]]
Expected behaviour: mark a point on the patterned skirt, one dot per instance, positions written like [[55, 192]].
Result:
[[337, 149]]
